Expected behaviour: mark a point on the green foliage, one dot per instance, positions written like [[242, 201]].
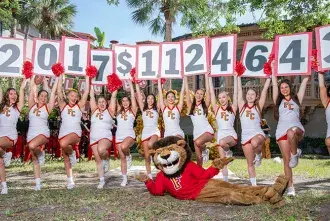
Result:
[[8, 11], [100, 37]]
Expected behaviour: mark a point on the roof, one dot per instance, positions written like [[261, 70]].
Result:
[[85, 35], [146, 42]]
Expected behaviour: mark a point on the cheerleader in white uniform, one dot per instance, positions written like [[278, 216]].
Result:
[[70, 130], [38, 133], [10, 108], [253, 137], [150, 132], [125, 134], [198, 111], [225, 117], [100, 133], [171, 112], [289, 129], [325, 95]]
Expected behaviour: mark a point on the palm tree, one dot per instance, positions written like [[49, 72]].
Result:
[[100, 37], [51, 17]]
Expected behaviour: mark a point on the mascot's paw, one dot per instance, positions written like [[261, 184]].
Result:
[[220, 163], [281, 184], [142, 177]]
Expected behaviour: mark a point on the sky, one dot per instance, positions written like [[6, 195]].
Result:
[[117, 24]]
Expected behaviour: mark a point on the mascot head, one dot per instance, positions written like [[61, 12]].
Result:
[[170, 155]]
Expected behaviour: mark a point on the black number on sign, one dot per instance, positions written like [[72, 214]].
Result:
[[224, 61], [52, 56], [171, 69], [192, 66], [148, 56], [122, 59], [15, 53], [326, 38], [296, 59], [75, 58], [251, 56], [104, 61]]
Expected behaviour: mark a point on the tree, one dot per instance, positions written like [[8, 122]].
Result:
[[51, 17], [8, 10], [100, 37]]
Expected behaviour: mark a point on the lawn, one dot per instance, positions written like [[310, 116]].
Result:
[[133, 202]]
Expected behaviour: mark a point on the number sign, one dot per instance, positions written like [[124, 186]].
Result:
[[125, 60], [147, 62], [12, 56], [170, 60], [104, 61], [322, 35]]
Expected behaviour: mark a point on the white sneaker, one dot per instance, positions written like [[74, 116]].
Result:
[[41, 158], [257, 160], [294, 160], [106, 165], [124, 183], [101, 185], [37, 187], [205, 155], [129, 161], [229, 153], [73, 159], [291, 192], [7, 158], [4, 191], [70, 186]]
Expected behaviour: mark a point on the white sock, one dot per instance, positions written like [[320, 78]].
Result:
[[124, 177], [102, 179], [225, 178], [38, 182], [4, 184], [253, 181], [150, 175], [70, 179]]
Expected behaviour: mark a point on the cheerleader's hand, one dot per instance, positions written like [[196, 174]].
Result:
[[142, 177], [220, 163]]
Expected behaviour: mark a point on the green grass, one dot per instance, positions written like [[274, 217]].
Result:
[[54, 202]]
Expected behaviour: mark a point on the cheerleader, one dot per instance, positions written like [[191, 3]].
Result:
[[225, 117], [171, 112], [198, 111], [70, 130], [289, 130], [325, 95], [125, 134], [150, 132], [38, 132], [253, 137], [100, 133], [10, 108]]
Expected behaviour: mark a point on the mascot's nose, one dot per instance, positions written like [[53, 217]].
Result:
[[165, 157]]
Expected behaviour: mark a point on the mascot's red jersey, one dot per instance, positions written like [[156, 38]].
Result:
[[186, 186]]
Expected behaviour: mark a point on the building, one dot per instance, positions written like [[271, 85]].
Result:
[[313, 116]]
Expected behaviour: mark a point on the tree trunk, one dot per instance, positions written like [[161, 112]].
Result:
[[13, 29], [168, 38], [27, 32]]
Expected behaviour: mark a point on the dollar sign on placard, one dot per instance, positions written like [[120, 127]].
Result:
[[327, 38], [125, 62]]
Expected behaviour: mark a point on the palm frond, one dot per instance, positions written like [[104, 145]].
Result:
[[157, 26], [142, 15]]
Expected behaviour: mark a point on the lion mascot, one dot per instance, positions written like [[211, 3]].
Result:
[[185, 180]]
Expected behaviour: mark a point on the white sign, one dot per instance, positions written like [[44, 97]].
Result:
[[255, 54], [170, 60], [125, 60], [45, 54], [12, 56], [194, 55], [322, 35], [293, 54], [147, 62], [75, 55], [223, 55], [103, 60]]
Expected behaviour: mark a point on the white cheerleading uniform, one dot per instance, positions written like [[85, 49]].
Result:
[[250, 123], [101, 126], [8, 121], [225, 123], [327, 115], [171, 119], [71, 120], [288, 118], [38, 122], [200, 122], [150, 124], [125, 124]]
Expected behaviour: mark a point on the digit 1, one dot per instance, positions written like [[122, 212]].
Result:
[[296, 59], [148, 56], [172, 65], [75, 58]]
